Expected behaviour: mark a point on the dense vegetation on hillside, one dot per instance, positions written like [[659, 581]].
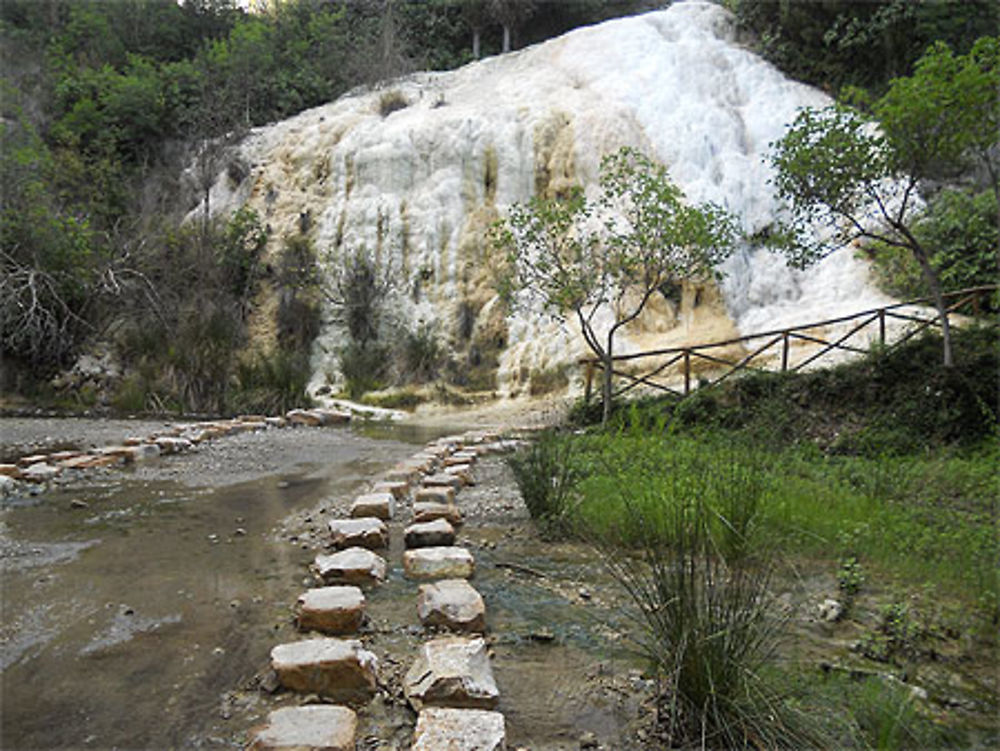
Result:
[[116, 115], [106, 102]]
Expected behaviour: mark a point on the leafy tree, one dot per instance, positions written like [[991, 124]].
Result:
[[580, 257], [861, 182]]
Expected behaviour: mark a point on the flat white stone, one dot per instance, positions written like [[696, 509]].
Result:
[[366, 532], [380, 505], [461, 458], [399, 489], [438, 563], [332, 610], [453, 604], [340, 669], [403, 473], [443, 478], [452, 671], [436, 533], [463, 472], [316, 727], [445, 729], [351, 566], [440, 494], [424, 511]]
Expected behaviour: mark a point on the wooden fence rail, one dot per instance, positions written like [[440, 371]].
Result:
[[782, 338]]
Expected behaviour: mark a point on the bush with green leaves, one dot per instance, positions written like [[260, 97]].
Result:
[[546, 473]]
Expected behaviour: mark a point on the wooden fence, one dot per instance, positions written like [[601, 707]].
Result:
[[682, 358]]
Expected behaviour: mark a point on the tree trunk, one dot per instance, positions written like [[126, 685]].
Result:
[[606, 380], [934, 283]]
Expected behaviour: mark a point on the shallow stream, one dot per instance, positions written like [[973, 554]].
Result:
[[140, 606]]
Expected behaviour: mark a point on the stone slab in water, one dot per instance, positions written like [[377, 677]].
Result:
[[452, 671], [317, 727], [352, 566], [379, 505], [439, 563], [443, 478], [462, 472], [365, 532], [440, 494], [424, 511], [340, 669], [399, 489], [403, 473], [332, 610], [432, 534], [440, 728], [452, 604], [461, 457]]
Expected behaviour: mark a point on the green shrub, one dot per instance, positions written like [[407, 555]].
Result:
[[270, 384], [546, 475], [364, 367]]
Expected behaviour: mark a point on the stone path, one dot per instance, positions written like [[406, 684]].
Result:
[[450, 683], [181, 437]]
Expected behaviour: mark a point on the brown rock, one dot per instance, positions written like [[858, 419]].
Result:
[[451, 671], [428, 512], [440, 728], [453, 604], [332, 610], [366, 532], [314, 727], [379, 505], [438, 563], [432, 534], [443, 478], [340, 669], [440, 494], [352, 566], [400, 490]]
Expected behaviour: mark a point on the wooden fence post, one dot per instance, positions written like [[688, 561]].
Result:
[[589, 382], [687, 372], [784, 351], [881, 326]]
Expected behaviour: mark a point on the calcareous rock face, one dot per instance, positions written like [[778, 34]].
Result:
[[419, 186]]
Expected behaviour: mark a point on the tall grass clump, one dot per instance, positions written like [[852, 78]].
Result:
[[546, 473], [677, 532]]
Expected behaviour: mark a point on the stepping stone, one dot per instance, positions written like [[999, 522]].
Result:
[[443, 478], [302, 417], [433, 534], [352, 566], [400, 490], [332, 610], [366, 532], [463, 472], [441, 728], [452, 671], [339, 669], [438, 563], [12, 470], [400, 473], [331, 416], [427, 512], [461, 457], [425, 462], [440, 494], [172, 444], [314, 727], [380, 505], [453, 604], [40, 472]]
